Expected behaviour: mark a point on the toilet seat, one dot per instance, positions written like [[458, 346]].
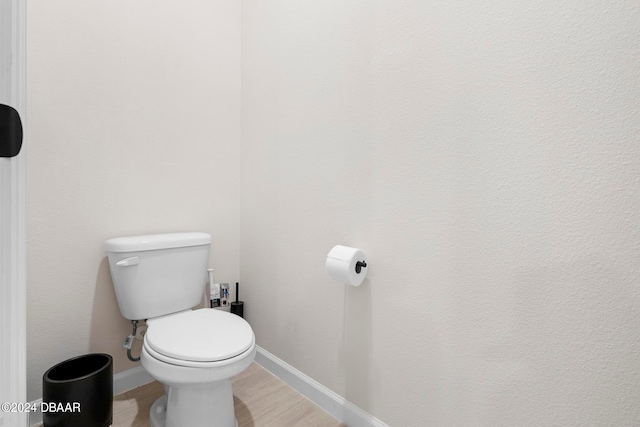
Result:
[[199, 338]]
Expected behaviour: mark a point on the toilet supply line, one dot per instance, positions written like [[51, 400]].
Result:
[[128, 341]]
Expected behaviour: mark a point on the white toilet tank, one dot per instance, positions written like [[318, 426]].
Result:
[[158, 274]]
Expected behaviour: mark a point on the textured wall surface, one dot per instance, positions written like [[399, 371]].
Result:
[[134, 127], [486, 157]]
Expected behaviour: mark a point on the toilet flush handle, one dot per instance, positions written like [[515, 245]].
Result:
[[128, 261]]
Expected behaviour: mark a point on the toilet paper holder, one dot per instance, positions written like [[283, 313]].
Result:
[[345, 265]]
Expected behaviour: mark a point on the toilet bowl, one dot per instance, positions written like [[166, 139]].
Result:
[[194, 353]]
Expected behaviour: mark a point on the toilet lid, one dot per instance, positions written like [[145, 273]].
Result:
[[205, 335]]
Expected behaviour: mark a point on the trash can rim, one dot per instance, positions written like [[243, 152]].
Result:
[[108, 361]]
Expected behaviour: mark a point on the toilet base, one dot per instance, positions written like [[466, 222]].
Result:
[[158, 414]]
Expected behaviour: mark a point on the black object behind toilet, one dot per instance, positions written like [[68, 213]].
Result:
[[237, 307]]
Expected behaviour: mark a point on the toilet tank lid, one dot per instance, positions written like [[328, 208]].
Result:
[[150, 242]]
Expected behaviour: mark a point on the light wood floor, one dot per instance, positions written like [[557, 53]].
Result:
[[261, 400]]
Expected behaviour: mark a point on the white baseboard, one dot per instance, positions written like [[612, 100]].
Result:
[[122, 381], [345, 411], [130, 379]]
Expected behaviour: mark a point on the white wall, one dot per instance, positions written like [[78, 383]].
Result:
[[486, 157], [483, 154], [134, 127]]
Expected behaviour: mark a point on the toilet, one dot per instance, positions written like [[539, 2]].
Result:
[[194, 353]]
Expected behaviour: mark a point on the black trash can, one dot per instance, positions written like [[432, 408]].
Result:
[[79, 392]]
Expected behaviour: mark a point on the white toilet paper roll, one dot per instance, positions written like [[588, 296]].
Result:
[[341, 265]]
